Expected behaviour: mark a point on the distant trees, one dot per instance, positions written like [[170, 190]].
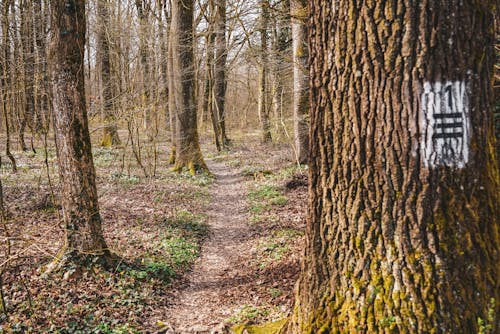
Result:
[[84, 236], [403, 231]]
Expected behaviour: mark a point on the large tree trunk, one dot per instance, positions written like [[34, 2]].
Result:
[[84, 235], [188, 146], [300, 79], [263, 107], [110, 132], [403, 232], [220, 70]]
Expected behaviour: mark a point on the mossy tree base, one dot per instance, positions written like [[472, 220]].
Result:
[[110, 137], [268, 328], [73, 261], [171, 159], [193, 166]]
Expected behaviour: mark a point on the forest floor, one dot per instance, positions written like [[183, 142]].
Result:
[[199, 254]]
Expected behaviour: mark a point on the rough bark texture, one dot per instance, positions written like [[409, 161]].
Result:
[[188, 147], [84, 235], [300, 79], [110, 132], [399, 240], [263, 107]]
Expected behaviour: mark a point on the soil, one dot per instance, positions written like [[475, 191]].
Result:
[[245, 272], [199, 308]]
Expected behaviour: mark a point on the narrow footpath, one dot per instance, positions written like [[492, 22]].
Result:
[[198, 308]]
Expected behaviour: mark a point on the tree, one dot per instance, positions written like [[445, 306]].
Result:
[[84, 236], [142, 12], [300, 79], [403, 232], [220, 70], [188, 152], [5, 82], [110, 131], [263, 107]]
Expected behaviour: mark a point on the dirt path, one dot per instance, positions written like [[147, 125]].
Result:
[[199, 308]]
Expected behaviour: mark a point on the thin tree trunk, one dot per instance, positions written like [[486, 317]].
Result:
[[209, 100], [143, 55], [300, 79], [263, 107], [403, 230], [110, 131], [172, 105], [6, 81], [220, 70]]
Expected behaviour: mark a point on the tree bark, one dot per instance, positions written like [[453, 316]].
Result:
[[263, 107], [5, 72], [220, 70], [188, 147], [110, 131], [403, 230], [84, 236], [172, 107], [298, 10], [143, 55]]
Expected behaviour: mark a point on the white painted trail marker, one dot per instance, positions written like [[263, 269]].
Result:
[[445, 124]]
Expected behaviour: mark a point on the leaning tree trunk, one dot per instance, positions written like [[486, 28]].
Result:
[[298, 10], [263, 107], [188, 146], [84, 236], [403, 232], [110, 131]]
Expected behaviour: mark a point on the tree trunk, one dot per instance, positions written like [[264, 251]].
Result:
[[143, 55], [281, 52], [5, 72], [28, 47], [84, 236], [263, 107], [188, 146], [110, 132], [163, 35], [209, 102], [220, 70], [172, 106], [42, 109], [300, 79], [403, 231]]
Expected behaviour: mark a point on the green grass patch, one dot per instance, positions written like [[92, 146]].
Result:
[[273, 248]]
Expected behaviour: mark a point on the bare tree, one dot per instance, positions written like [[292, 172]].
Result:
[[188, 147], [84, 236], [300, 79]]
